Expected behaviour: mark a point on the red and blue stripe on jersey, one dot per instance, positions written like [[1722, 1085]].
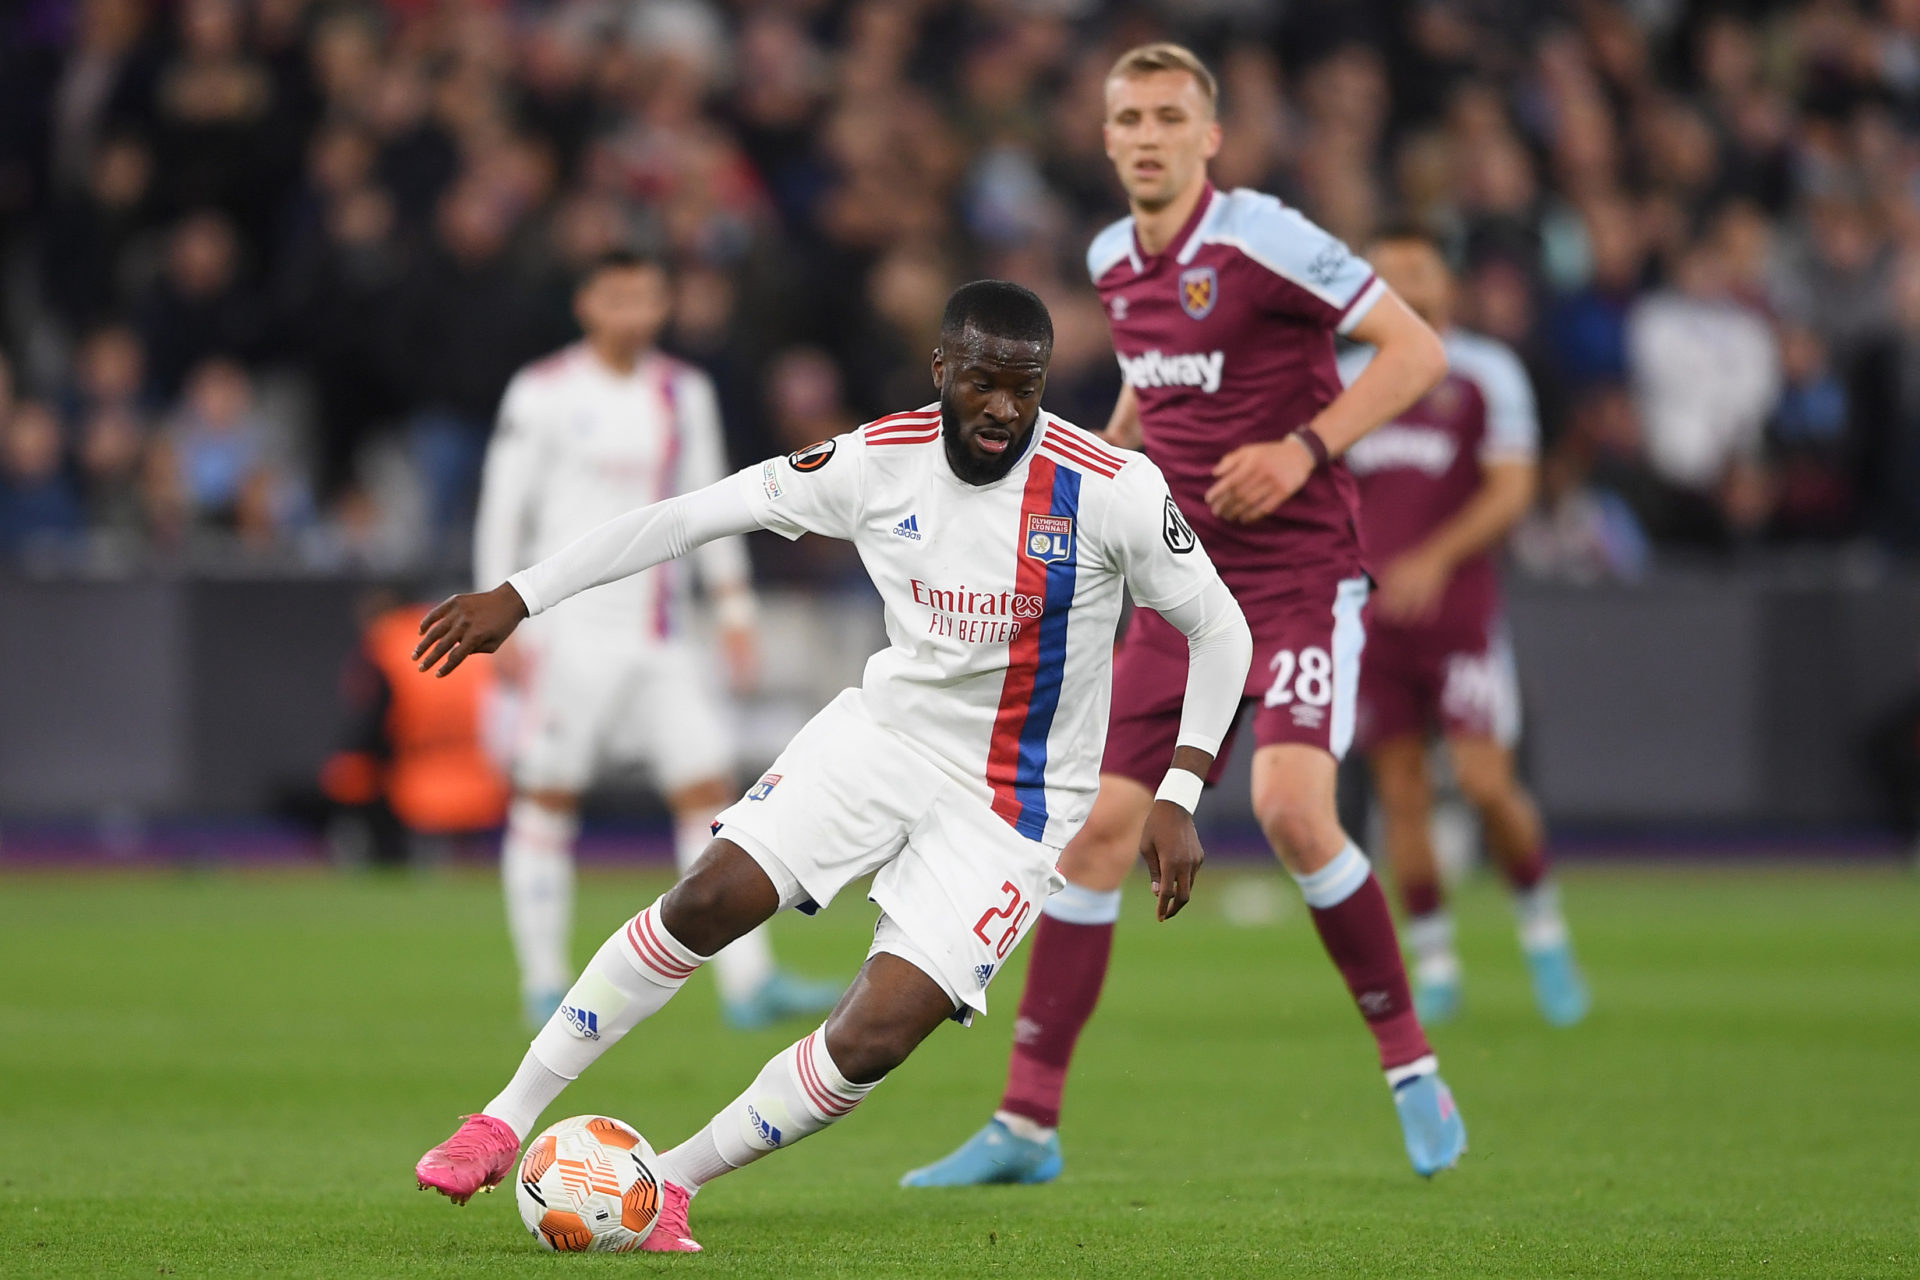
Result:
[[1036, 659], [663, 581]]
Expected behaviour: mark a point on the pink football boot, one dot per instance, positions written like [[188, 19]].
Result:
[[669, 1234], [478, 1155]]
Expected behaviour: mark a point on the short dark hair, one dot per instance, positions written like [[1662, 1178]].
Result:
[[999, 308], [619, 260]]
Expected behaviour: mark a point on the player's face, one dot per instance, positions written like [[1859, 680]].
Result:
[[624, 308], [1415, 270], [989, 398], [1160, 133]]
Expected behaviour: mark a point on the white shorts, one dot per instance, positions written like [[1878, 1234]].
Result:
[[595, 696], [957, 887]]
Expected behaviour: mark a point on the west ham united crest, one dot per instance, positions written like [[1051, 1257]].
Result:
[[1199, 290], [1050, 538]]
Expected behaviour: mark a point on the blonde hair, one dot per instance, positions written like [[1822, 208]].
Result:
[[1164, 55]]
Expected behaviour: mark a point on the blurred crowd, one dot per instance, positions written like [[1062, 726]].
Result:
[[267, 265]]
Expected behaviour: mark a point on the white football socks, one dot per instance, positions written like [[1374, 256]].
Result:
[[744, 965], [629, 979], [798, 1093], [536, 868], [1022, 1127], [530, 1092], [1430, 938], [1537, 912]]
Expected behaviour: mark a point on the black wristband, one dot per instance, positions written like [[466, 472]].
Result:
[[1315, 445]]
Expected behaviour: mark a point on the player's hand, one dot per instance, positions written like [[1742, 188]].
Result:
[[1172, 849], [1255, 478], [1412, 587], [740, 646], [463, 625]]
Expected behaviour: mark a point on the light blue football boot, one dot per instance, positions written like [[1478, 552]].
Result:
[[540, 1006], [1436, 1135], [782, 995], [1435, 966], [1437, 994], [995, 1155], [1558, 988]]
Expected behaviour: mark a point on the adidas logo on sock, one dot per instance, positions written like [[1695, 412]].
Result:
[[908, 528], [584, 1023]]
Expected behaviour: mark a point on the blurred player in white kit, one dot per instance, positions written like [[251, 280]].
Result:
[[595, 430]]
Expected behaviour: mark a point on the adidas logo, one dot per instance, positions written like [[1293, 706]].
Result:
[[908, 528], [584, 1023], [768, 1134], [983, 974]]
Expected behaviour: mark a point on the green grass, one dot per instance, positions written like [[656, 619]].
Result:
[[233, 1074]]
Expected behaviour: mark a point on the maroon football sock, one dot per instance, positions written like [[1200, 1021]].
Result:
[[1358, 934], [1526, 871], [1063, 986], [1418, 897]]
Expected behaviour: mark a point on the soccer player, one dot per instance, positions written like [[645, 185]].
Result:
[[1439, 488], [602, 427], [1224, 307], [1000, 539]]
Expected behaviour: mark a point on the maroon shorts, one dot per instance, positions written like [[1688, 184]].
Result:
[[1304, 680], [1458, 680]]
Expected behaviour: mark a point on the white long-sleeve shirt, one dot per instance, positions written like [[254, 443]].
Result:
[[577, 444], [1001, 599]]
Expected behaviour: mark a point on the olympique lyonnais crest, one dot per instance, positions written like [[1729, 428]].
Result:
[[1199, 290], [1050, 538]]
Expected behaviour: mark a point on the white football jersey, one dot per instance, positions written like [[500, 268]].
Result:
[[1001, 600], [577, 444]]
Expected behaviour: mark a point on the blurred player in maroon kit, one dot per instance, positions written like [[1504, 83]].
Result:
[[1440, 487], [1224, 307]]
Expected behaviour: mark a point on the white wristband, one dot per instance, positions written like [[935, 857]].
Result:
[[1183, 787]]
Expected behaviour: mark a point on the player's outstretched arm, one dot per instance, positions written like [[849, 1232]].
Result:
[[1167, 570], [1219, 651], [475, 622], [1169, 842], [617, 549]]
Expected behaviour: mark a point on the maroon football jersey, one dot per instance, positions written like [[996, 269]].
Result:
[[1226, 338], [1419, 470]]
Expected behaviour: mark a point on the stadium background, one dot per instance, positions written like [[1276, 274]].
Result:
[[268, 267], [265, 266]]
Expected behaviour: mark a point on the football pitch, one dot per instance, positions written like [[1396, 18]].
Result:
[[232, 1074]]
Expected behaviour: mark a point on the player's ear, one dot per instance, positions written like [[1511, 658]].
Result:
[[1214, 136], [939, 370]]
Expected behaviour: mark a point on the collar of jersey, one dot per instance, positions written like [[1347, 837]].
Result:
[[642, 364], [1176, 247], [1033, 442]]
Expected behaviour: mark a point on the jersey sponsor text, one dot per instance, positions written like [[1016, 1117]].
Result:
[[1155, 369]]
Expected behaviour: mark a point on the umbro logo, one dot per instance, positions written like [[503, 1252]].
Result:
[[908, 529]]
